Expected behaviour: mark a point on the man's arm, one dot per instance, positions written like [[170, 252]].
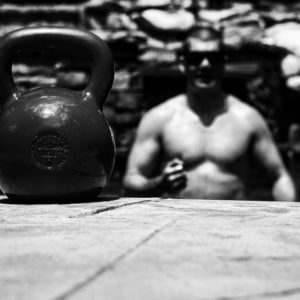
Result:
[[139, 179], [146, 174], [266, 152]]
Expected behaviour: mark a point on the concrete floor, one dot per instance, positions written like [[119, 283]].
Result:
[[150, 249]]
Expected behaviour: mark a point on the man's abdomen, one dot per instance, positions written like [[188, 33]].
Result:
[[210, 181]]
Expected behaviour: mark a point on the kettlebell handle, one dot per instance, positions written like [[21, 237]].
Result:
[[102, 73]]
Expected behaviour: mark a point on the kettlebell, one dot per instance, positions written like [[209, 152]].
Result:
[[55, 143]]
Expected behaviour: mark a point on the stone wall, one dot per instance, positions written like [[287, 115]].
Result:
[[144, 36]]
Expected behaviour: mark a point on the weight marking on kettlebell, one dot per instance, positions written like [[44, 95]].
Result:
[[50, 150]]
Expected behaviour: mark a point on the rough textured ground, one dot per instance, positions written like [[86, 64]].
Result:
[[150, 249]]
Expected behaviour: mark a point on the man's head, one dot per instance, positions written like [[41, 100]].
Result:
[[203, 58]]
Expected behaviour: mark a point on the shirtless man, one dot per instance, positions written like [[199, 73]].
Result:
[[199, 144]]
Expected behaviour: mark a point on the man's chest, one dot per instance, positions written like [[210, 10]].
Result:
[[224, 141]]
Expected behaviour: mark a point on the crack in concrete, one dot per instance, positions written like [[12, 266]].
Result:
[[272, 295], [110, 266], [108, 208]]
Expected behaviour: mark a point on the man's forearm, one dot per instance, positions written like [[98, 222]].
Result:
[[284, 189], [138, 186]]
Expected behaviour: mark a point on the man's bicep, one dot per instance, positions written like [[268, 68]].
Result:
[[144, 154], [143, 157], [283, 188], [267, 152]]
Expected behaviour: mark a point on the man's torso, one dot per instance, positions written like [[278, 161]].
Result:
[[215, 156]]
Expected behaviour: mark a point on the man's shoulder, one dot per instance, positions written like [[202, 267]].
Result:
[[174, 101], [245, 112], [242, 108], [156, 117], [167, 108]]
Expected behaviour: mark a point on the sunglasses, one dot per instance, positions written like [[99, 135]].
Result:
[[197, 57]]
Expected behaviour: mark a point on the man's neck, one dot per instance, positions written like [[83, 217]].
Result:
[[207, 102]]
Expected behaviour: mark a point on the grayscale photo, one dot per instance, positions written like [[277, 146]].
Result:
[[149, 149]]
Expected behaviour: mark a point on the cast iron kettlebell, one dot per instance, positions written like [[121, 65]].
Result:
[[55, 143]]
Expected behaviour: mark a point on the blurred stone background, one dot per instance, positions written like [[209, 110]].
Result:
[[262, 40]]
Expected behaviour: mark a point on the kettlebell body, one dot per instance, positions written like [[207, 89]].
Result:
[[55, 143]]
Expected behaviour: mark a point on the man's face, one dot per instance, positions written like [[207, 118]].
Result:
[[204, 64]]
